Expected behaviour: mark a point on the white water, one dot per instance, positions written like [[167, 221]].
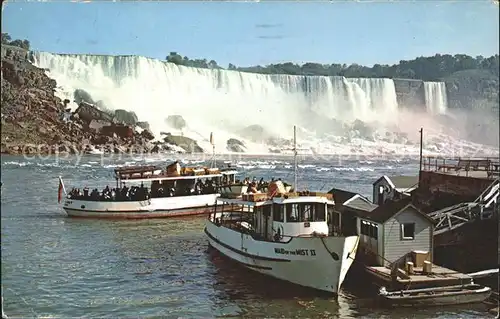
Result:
[[435, 97], [224, 102]]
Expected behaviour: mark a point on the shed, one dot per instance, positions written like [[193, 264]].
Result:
[[394, 230], [349, 206], [394, 187]]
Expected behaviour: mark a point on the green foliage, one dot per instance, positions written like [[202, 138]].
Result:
[[176, 58], [433, 68], [6, 39]]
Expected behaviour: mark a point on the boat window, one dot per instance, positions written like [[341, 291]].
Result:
[[266, 210], [408, 231], [306, 212], [320, 213], [278, 213]]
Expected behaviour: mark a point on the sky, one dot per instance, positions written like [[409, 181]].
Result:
[[251, 33]]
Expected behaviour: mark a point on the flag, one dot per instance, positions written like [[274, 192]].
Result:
[[212, 138], [60, 190]]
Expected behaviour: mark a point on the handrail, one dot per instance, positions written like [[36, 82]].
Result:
[[439, 163], [489, 188]]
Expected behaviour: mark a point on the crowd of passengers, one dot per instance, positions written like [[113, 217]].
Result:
[[137, 193], [160, 189], [260, 186]]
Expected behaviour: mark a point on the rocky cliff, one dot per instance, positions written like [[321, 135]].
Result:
[[35, 121]]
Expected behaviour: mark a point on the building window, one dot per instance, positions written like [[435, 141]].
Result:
[[408, 231]]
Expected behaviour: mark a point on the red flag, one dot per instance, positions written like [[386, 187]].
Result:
[[60, 191]]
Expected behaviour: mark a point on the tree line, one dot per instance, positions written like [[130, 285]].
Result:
[[433, 68], [6, 39]]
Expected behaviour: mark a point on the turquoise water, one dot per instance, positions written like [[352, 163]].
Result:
[[59, 267]]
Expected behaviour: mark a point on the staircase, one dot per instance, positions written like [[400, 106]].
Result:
[[483, 207]]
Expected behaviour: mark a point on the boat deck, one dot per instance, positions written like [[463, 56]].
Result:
[[440, 276]]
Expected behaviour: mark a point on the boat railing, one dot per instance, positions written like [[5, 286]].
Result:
[[490, 165]]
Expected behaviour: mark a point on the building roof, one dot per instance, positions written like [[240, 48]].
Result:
[[360, 203], [340, 196], [401, 182], [384, 212]]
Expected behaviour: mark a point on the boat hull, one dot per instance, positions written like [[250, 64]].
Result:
[[152, 208], [303, 260]]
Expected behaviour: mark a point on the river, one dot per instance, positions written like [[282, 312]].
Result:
[[59, 267]]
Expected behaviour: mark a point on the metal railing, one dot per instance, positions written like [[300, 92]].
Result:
[[490, 165], [455, 216]]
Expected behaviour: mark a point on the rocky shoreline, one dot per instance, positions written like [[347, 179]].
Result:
[[35, 121]]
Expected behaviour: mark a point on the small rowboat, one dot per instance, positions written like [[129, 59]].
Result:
[[437, 296]]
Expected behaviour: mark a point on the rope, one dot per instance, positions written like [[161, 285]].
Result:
[[348, 255]]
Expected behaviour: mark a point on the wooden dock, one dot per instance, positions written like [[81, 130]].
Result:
[[439, 277]]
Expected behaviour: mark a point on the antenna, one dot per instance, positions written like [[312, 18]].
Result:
[[295, 186]]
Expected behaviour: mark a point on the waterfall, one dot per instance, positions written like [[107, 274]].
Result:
[[435, 97], [220, 100]]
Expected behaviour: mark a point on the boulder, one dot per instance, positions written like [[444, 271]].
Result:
[[88, 112], [125, 117], [147, 135], [176, 121], [186, 143], [255, 133], [234, 145], [143, 125], [82, 96]]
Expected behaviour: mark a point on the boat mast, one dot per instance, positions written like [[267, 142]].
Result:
[[421, 148], [213, 150], [295, 186]]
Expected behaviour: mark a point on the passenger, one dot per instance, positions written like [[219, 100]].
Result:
[[86, 192], [94, 195], [124, 192]]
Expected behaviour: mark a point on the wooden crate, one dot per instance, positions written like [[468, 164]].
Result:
[[198, 171], [257, 197], [212, 171]]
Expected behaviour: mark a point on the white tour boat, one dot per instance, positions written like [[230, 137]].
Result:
[[286, 235], [153, 193]]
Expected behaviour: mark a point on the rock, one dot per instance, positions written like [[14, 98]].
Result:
[[364, 130], [235, 145], [143, 125], [255, 133], [125, 117], [176, 121], [97, 125], [147, 135], [122, 131], [186, 143], [88, 112], [82, 96], [278, 142]]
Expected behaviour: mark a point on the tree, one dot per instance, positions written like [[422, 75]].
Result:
[[6, 38]]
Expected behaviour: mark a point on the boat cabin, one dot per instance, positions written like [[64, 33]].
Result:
[[276, 218], [173, 173], [170, 182]]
